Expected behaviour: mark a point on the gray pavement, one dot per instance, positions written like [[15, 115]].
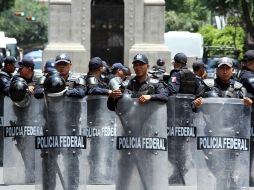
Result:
[[89, 187]]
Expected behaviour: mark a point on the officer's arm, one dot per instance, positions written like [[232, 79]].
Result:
[[249, 84], [39, 89], [78, 92], [161, 93], [4, 85], [175, 81]]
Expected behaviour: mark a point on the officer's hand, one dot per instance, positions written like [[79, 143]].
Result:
[[144, 98], [31, 89], [198, 102], [115, 94], [247, 101]]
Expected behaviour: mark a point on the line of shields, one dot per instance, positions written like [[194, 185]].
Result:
[[62, 143]]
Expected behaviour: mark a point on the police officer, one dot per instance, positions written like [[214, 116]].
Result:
[[6, 74], [141, 86], [183, 80], [74, 82], [223, 85], [26, 71], [246, 76], [199, 69], [95, 85], [48, 67], [119, 79]]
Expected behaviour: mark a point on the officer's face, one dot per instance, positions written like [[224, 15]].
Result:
[[140, 68], [63, 68], [11, 68], [25, 71], [224, 72], [120, 73]]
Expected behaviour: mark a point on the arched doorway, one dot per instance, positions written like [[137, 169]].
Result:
[[107, 30]]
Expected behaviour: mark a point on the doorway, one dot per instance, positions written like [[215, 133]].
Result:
[[107, 30]]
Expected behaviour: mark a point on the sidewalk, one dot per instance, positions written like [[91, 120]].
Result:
[[89, 187]]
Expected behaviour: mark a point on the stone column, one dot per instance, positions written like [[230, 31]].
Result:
[[149, 32], [67, 34]]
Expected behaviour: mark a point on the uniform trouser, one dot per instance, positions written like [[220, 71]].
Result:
[[69, 176], [178, 160], [27, 154], [223, 173], [101, 160], [252, 163]]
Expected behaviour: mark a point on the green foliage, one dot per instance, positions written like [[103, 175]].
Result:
[[27, 33], [230, 36], [6, 4], [187, 15]]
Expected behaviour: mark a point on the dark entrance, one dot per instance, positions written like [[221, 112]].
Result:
[[107, 30]]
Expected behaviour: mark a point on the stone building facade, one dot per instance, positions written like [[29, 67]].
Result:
[[114, 30]]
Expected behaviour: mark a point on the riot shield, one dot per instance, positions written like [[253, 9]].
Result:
[[143, 146], [102, 126], [21, 124], [1, 128], [181, 140], [223, 144], [252, 147], [61, 150]]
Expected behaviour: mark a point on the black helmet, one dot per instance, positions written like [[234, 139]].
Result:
[[54, 83], [10, 60], [140, 58], [180, 58], [160, 62], [18, 89], [49, 66], [63, 58]]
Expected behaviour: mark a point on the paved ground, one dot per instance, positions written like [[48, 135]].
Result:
[[90, 187]]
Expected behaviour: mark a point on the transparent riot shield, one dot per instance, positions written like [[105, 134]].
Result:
[[252, 147], [143, 146], [21, 125], [61, 153], [223, 144], [181, 141], [102, 126], [1, 128]]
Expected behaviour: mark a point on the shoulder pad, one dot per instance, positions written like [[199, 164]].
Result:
[[74, 76], [80, 81], [91, 80], [237, 85], [209, 82], [4, 74], [153, 80], [41, 80], [251, 80]]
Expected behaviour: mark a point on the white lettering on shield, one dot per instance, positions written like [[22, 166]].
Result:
[[149, 143], [230, 143], [45, 142]]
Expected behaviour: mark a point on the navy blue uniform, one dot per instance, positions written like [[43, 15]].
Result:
[[5, 80], [184, 81], [156, 89], [96, 86], [215, 88], [75, 87], [247, 79]]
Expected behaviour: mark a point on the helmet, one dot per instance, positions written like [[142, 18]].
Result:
[[54, 83], [63, 58], [180, 58], [18, 89], [140, 58], [49, 66], [160, 62], [10, 60]]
